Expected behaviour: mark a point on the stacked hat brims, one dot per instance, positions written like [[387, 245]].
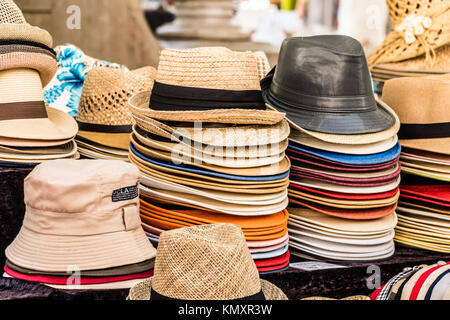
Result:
[[421, 282], [209, 151], [105, 246], [343, 148], [417, 46], [103, 117], [424, 205], [30, 133]]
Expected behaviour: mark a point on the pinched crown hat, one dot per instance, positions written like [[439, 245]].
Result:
[[419, 27], [82, 213], [103, 115], [207, 262], [24, 46], [209, 84]]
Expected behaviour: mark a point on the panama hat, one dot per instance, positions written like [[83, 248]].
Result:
[[103, 116], [426, 166], [346, 104], [14, 26], [224, 252], [425, 213], [214, 79], [111, 237], [215, 134], [65, 151], [418, 29], [424, 126], [430, 157], [24, 116]]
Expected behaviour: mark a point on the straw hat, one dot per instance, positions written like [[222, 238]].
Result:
[[208, 262], [23, 114], [13, 26], [422, 104], [419, 27], [98, 200], [103, 115], [222, 82]]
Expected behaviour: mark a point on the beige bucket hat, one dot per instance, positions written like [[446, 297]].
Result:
[[103, 114], [208, 262], [419, 28], [98, 200], [423, 106], [23, 115], [222, 82]]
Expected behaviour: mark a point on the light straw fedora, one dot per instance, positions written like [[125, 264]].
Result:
[[14, 26], [98, 200], [103, 114], [418, 28], [210, 84], [23, 114], [224, 271], [423, 106]]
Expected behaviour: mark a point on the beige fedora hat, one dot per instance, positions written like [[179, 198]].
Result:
[[422, 105], [209, 84], [208, 262], [98, 200], [354, 139], [103, 114], [23, 114], [418, 28], [14, 26], [215, 134]]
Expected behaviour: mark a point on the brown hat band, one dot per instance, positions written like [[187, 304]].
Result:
[[22, 110], [424, 131]]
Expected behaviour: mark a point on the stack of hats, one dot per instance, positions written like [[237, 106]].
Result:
[[418, 45], [81, 228], [343, 148], [203, 19], [104, 118], [209, 262], [422, 282], [423, 105], [209, 151], [30, 133], [64, 91]]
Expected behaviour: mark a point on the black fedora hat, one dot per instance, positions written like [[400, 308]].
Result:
[[323, 84]]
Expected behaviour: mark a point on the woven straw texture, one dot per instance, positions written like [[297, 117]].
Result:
[[395, 48], [14, 26], [208, 262], [106, 91], [262, 64], [209, 67]]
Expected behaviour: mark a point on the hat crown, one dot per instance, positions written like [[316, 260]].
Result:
[[10, 13], [81, 193], [105, 94], [210, 68], [323, 66], [207, 262]]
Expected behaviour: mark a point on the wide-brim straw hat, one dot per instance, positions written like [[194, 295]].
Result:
[[210, 84], [422, 104], [225, 271], [24, 115], [103, 114], [64, 151], [13, 26], [353, 138], [419, 28]]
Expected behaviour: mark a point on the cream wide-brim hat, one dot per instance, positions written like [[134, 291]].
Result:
[[23, 85]]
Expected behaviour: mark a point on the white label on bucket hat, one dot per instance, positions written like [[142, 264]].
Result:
[[124, 194], [315, 265]]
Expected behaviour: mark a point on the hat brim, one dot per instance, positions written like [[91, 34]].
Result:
[[426, 173], [25, 32], [27, 143], [445, 169], [438, 145], [142, 291], [425, 213], [57, 253], [57, 126], [112, 140], [69, 151]]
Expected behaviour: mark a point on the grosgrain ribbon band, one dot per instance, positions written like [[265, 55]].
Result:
[[104, 128], [172, 98], [23, 110], [156, 296], [424, 131]]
